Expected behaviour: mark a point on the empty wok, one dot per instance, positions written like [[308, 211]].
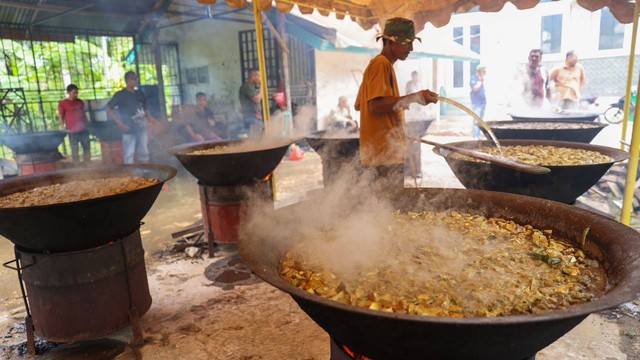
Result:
[[382, 335], [79, 225], [563, 183]]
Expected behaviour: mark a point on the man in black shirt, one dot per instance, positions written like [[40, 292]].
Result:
[[202, 125], [128, 108]]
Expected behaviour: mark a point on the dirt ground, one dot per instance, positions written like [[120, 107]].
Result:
[[194, 315]]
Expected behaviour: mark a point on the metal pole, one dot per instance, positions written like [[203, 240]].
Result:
[[160, 78], [35, 68], [634, 150], [285, 71], [264, 89], [634, 35]]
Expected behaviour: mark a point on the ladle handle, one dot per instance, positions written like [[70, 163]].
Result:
[[500, 161]]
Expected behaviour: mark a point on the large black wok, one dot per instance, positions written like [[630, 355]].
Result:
[[79, 225], [340, 144], [563, 183], [232, 168], [573, 115], [380, 335], [554, 130], [33, 142]]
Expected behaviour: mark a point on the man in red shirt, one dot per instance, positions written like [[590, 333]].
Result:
[[72, 117]]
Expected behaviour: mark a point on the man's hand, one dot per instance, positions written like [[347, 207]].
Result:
[[123, 128], [198, 137], [429, 97]]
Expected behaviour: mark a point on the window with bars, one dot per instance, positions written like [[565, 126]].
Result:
[[42, 64], [301, 65], [611, 31], [249, 56], [458, 72], [474, 45], [551, 34]]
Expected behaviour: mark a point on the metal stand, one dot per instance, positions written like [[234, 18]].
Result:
[[134, 318], [13, 109], [28, 321]]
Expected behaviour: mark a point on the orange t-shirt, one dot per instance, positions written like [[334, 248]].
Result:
[[381, 136]]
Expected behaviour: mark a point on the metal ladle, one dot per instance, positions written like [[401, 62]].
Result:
[[497, 160]]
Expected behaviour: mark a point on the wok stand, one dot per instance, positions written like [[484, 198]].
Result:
[[341, 352], [134, 292], [224, 207]]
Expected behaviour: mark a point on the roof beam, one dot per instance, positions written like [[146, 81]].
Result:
[[72, 11], [60, 9]]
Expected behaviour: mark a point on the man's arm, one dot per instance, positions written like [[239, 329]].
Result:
[[582, 79], [61, 115], [194, 136], [121, 125], [388, 103]]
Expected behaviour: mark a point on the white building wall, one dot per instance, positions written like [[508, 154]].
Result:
[[337, 74], [507, 37], [213, 44]]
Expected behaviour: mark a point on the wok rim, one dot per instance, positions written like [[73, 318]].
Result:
[[92, 173], [607, 301], [597, 125], [183, 150], [617, 156]]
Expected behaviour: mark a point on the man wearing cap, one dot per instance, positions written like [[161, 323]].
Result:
[[382, 138]]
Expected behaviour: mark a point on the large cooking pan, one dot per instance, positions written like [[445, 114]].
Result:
[[232, 168], [33, 142], [380, 335], [340, 144], [79, 225], [564, 183], [572, 115], [583, 131]]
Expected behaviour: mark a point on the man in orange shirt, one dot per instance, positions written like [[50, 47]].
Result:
[[382, 138]]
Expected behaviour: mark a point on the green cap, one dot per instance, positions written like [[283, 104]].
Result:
[[399, 30]]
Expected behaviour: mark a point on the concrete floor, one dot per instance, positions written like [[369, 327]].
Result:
[[193, 318]]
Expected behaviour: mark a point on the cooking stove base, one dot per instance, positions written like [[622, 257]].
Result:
[[223, 207], [339, 352], [83, 295]]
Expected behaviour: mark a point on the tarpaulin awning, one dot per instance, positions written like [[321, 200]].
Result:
[[367, 13], [331, 34]]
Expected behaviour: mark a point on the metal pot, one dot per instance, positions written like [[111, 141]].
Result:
[[33, 142], [555, 116], [79, 225], [381, 335], [232, 168], [502, 130], [564, 183]]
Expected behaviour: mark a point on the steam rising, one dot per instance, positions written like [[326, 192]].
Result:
[[348, 228]]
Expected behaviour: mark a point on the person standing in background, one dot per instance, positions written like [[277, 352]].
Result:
[[128, 108], [569, 79], [478, 97], [72, 117], [532, 80], [382, 138], [251, 103]]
